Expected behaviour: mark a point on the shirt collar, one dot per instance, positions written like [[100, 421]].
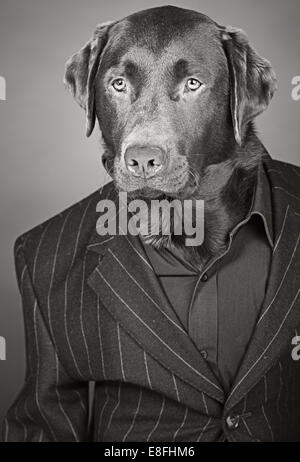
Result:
[[262, 203], [168, 262]]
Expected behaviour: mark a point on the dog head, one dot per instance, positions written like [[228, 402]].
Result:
[[173, 93]]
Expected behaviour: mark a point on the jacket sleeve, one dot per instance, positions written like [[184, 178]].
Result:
[[51, 405]]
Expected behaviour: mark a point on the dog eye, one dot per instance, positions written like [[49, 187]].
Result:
[[119, 84], [193, 84]]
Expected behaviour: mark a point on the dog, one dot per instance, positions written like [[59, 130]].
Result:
[[207, 357], [175, 96]]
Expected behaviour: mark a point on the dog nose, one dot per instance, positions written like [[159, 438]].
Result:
[[145, 161]]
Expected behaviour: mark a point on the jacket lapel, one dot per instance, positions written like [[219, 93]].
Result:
[[130, 291], [280, 311]]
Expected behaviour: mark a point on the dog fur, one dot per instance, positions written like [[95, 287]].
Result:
[[210, 138]]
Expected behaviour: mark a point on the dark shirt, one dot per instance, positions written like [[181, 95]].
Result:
[[219, 306]]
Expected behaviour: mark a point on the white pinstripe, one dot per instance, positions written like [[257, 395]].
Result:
[[281, 282], [222, 438], [204, 402], [22, 279], [25, 239], [41, 436], [266, 388], [181, 425], [145, 356], [102, 411], [38, 251], [288, 193], [81, 317], [115, 408], [17, 250], [120, 352], [52, 276], [139, 254], [66, 288], [243, 418], [67, 334], [38, 372], [247, 428], [204, 429], [280, 390], [147, 370], [100, 337], [155, 334], [176, 389], [27, 412], [282, 228], [267, 420], [134, 417], [96, 244], [245, 404], [80, 400], [146, 293], [59, 400], [79, 231], [158, 420], [267, 347]]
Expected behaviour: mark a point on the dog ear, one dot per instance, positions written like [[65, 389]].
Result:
[[252, 79], [80, 72]]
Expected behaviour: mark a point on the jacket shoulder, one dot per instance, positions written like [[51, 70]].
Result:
[[68, 229], [284, 175], [286, 168]]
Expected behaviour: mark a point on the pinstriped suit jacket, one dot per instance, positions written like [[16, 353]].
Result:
[[94, 311]]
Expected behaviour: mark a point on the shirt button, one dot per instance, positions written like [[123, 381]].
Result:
[[204, 277], [204, 354], [232, 422]]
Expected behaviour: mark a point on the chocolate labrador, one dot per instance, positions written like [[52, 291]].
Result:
[[175, 95]]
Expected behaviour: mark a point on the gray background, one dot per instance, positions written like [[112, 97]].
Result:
[[46, 162]]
